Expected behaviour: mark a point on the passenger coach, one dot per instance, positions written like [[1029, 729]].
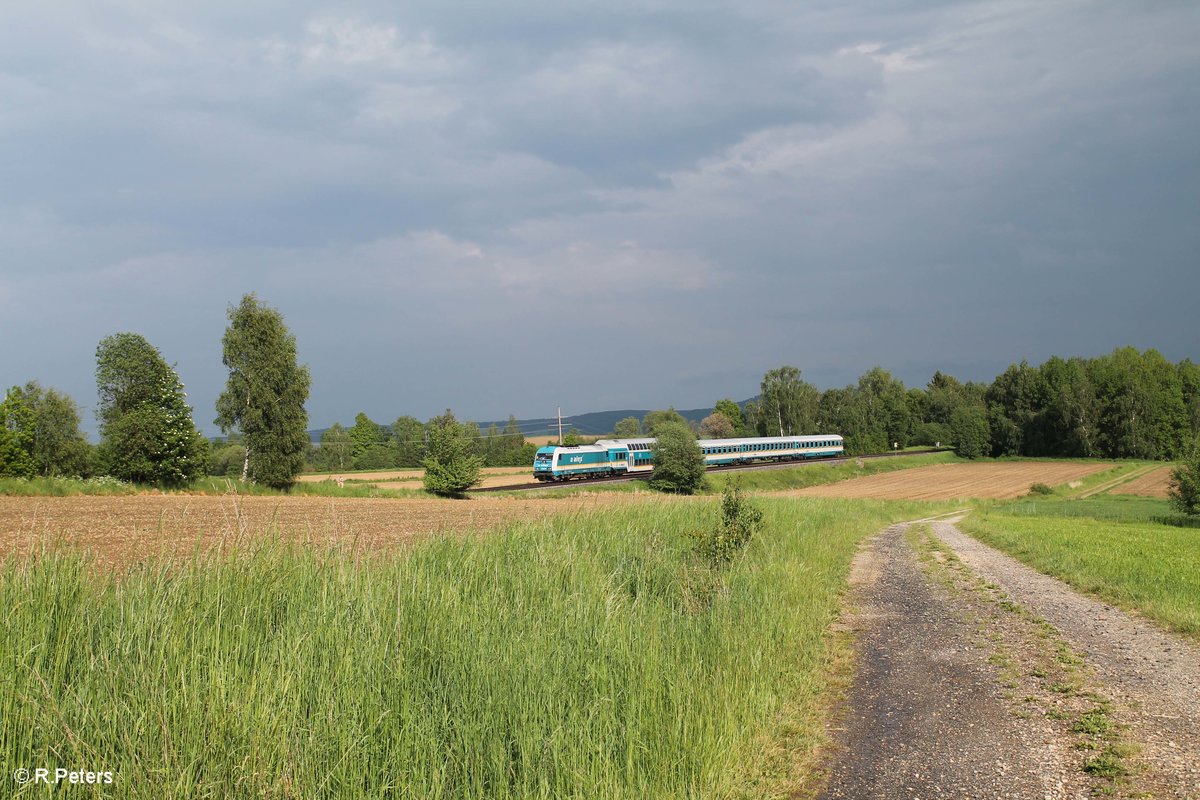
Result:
[[632, 456]]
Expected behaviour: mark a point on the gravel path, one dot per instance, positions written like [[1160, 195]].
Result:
[[1154, 674], [927, 717]]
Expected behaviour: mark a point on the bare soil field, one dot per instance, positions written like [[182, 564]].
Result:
[[996, 480], [118, 530], [403, 475], [1152, 484]]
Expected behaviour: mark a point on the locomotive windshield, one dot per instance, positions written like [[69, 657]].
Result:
[[544, 456]]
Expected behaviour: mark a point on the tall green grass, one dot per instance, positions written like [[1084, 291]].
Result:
[[1112, 508], [590, 656], [1106, 546], [62, 487]]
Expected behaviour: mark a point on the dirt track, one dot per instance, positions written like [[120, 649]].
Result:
[[1152, 484], [926, 716], [961, 692], [998, 480]]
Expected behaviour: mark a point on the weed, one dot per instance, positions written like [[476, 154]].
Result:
[[1109, 763], [1093, 723]]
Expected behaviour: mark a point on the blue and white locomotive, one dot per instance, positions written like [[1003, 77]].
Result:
[[634, 456]]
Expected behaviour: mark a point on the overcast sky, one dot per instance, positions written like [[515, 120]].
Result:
[[508, 207]]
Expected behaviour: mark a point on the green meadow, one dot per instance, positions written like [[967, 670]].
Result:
[[590, 656], [1134, 552]]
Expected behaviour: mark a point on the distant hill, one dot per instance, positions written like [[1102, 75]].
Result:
[[593, 423]]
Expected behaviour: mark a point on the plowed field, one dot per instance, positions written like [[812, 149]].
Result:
[[952, 481], [121, 529], [1152, 484]]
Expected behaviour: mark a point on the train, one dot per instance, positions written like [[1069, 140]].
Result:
[[608, 457]]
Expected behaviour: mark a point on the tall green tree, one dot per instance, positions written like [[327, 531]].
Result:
[[969, 428], [655, 419], [147, 434], [408, 440], [16, 436], [787, 404], [678, 462], [265, 394], [1068, 422], [336, 453], [451, 463], [365, 434], [1013, 401], [732, 412], [883, 411], [506, 447], [628, 428], [1189, 379], [1143, 414], [59, 446]]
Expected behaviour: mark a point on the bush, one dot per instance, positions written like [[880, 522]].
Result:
[[678, 462], [738, 523], [450, 466], [1040, 488], [1185, 484]]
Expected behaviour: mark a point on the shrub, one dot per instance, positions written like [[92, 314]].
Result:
[[736, 527], [1040, 488], [1185, 484], [678, 462], [450, 466]]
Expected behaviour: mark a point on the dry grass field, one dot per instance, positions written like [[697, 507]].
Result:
[[997, 480], [121, 529], [1152, 484]]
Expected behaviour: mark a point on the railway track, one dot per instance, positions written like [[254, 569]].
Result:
[[521, 487]]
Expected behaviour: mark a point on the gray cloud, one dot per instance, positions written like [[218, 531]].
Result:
[[510, 208]]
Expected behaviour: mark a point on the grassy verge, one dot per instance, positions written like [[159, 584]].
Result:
[[1109, 546], [62, 487], [588, 656]]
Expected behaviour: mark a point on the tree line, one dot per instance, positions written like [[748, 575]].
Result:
[[1127, 404], [404, 444]]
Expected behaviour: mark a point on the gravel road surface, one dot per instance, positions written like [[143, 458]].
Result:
[[1154, 674], [926, 717]]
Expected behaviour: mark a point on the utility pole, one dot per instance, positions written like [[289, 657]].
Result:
[[560, 436]]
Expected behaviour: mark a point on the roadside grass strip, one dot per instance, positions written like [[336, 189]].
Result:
[[583, 656], [1108, 547]]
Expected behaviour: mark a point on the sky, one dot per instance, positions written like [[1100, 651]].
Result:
[[507, 208]]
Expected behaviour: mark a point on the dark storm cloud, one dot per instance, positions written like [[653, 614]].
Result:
[[507, 208]]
